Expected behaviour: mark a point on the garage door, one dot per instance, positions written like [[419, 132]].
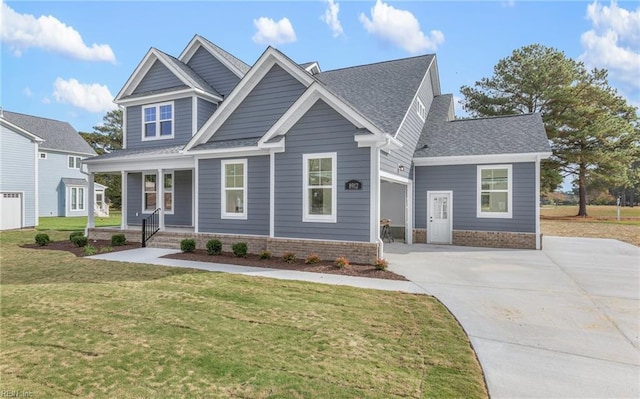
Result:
[[10, 211]]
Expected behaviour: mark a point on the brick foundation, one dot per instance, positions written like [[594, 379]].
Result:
[[494, 239], [420, 236]]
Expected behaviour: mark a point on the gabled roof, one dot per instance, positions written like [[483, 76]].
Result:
[[516, 134], [57, 135], [197, 81], [383, 91], [234, 64], [134, 153]]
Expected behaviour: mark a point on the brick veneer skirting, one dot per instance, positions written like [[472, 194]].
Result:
[[492, 239], [356, 252]]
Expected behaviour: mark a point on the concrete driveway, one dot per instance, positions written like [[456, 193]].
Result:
[[561, 322]]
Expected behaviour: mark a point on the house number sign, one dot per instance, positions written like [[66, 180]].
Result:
[[353, 185]]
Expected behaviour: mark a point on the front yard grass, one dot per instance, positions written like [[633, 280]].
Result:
[[81, 327], [77, 222]]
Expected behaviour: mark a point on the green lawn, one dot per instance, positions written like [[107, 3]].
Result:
[[77, 222], [78, 327], [594, 211]]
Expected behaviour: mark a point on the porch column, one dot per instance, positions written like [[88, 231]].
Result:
[[123, 199], [160, 197], [91, 199]]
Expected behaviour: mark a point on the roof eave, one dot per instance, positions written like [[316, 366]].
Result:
[[481, 159]]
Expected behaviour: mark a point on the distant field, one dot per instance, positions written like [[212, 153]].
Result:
[[601, 223]]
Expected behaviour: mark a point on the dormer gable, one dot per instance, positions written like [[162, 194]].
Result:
[[158, 74], [231, 62]]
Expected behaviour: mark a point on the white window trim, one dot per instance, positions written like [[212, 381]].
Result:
[[223, 190], [157, 107], [43, 155], [306, 217], [421, 110], [158, 181], [84, 199], [495, 215], [76, 162]]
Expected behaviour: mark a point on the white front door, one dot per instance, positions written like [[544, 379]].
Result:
[[439, 217]]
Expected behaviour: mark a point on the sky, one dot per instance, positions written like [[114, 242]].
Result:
[[67, 60]]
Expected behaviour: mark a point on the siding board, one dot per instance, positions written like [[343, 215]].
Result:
[[213, 71], [17, 171], [157, 78]]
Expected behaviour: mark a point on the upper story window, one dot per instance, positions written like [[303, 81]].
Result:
[[157, 121], [73, 162], [421, 110], [234, 188], [320, 187], [150, 192], [495, 191], [42, 155]]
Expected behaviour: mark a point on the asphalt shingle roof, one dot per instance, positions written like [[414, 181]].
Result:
[[57, 135], [383, 91], [250, 142], [484, 136], [138, 152], [242, 67], [198, 81]]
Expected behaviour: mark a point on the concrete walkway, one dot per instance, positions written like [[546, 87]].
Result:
[[559, 323], [563, 322]]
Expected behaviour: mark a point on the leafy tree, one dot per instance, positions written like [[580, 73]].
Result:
[[593, 131], [104, 139]]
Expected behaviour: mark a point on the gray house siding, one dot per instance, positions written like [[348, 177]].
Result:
[[182, 115], [52, 192], [262, 107], [209, 185], [205, 110], [18, 172], [158, 77], [462, 180], [408, 134], [182, 200], [322, 129], [213, 71]]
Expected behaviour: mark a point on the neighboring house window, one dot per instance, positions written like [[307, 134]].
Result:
[[73, 162], [77, 198], [157, 122], [320, 187], [421, 110], [150, 192], [234, 188], [495, 191], [42, 155]]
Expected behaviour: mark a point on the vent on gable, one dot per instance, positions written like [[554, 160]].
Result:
[[421, 110]]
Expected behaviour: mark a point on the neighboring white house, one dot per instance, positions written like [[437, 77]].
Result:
[[40, 171]]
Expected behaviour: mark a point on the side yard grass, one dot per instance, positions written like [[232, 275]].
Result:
[[80, 327], [78, 222]]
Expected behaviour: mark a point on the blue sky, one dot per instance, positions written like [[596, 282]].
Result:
[[66, 60]]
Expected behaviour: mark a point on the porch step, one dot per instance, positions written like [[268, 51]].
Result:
[[162, 241]]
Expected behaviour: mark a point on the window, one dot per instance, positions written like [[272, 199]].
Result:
[[234, 188], [73, 162], [157, 122], [150, 193], [320, 192], [421, 110], [494, 191], [77, 198], [42, 155]]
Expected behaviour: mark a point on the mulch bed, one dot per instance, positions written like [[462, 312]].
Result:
[[201, 255]]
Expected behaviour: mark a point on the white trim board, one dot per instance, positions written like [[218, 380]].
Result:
[[481, 159]]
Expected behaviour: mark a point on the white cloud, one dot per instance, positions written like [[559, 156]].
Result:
[[330, 17], [613, 42], [272, 32], [22, 31], [400, 28], [27, 91], [91, 97]]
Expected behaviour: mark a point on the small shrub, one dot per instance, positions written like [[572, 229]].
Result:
[[89, 250], [106, 249], [341, 262], [265, 255], [240, 249], [188, 245], [311, 259], [214, 247], [79, 241], [75, 234], [118, 239], [42, 239], [381, 264], [289, 257]]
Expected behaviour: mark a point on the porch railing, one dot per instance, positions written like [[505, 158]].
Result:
[[150, 226]]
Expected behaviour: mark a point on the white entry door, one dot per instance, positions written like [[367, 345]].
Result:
[[439, 217], [10, 211]]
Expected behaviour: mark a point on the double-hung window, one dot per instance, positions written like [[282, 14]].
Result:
[[234, 188], [150, 192], [495, 191], [157, 121], [73, 162], [319, 187], [77, 198]]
